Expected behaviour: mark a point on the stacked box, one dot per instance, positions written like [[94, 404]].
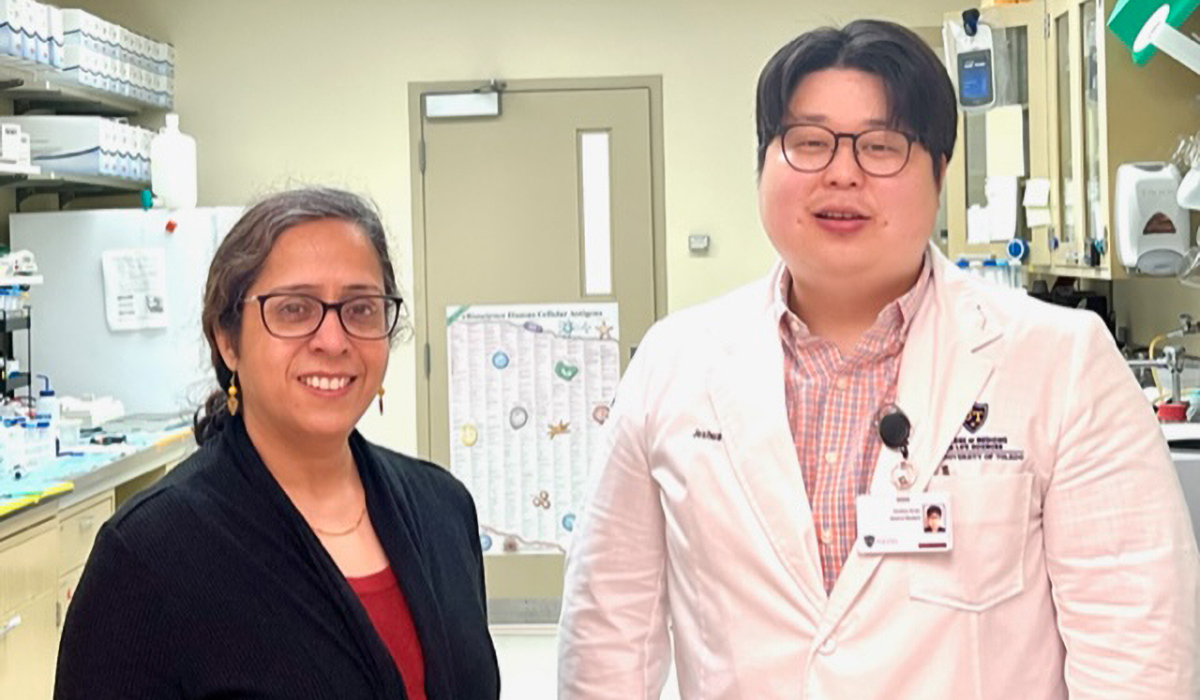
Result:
[[54, 19], [14, 146], [12, 27], [122, 61], [31, 33], [87, 145]]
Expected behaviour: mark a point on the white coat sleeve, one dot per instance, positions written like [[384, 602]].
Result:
[[1119, 545], [613, 641]]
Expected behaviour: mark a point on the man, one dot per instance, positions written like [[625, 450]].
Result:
[[933, 519], [725, 514]]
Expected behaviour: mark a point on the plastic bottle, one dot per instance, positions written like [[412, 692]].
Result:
[[21, 436], [6, 463], [13, 447], [173, 166], [47, 409], [46, 452]]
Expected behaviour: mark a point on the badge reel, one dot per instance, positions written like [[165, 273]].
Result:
[[894, 429], [904, 522]]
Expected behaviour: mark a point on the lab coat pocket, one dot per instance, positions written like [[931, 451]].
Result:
[[990, 529]]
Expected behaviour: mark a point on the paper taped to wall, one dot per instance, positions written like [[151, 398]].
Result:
[[135, 288]]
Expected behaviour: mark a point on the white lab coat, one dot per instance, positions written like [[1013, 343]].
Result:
[[1073, 572]]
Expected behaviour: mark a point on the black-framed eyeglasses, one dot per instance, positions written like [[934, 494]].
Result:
[[291, 315], [810, 148]]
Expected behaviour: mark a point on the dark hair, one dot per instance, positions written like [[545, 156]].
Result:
[[933, 509], [240, 258], [919, 93]]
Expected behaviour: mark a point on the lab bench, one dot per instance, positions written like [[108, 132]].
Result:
[[45, 539]]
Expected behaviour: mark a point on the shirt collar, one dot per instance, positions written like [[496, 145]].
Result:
[[898, 314]]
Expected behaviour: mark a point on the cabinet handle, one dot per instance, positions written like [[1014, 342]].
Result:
[[13, 623], [86, 522]]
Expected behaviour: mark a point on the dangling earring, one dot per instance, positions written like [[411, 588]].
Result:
[[381, 401], [232, 402]]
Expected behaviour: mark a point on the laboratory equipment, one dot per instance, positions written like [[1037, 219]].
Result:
[[150, 370], [1151, 228], [974, 50], [1174, 360], [1187, 157], [47, 409], [173, 166], [1149, 25], [1007, 273]]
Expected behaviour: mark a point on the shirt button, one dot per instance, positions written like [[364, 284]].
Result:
[[827, 536], [828, 646], [843, 383], [831, 457]]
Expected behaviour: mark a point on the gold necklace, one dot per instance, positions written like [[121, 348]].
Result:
[[347, 531]]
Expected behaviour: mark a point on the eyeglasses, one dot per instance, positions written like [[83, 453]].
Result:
[[810, 148], [366, 317]]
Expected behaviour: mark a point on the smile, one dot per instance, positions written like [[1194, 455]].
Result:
[[325, 382], [840, 215]]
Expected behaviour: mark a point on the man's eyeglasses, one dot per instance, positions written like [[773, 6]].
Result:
[[366, 317], [810, 148]]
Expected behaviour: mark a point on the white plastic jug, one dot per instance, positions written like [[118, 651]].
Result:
[[173, 166]]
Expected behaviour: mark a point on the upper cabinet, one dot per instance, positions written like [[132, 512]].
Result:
[[1089, 109], [1008, 140]]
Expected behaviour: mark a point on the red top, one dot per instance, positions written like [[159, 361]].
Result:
[[381, 596]]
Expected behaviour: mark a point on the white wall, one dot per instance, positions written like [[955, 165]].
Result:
[[283, 92]]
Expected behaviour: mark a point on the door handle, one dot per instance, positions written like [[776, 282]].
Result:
[[13, 623]]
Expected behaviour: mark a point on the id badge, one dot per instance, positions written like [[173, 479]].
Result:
[[908, 523]]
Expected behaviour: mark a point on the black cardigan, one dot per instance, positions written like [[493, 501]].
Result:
[[211, 585]]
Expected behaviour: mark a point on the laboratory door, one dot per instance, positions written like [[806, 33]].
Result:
[[549, 202]]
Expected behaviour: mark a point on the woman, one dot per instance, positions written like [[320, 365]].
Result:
[[289, 558]]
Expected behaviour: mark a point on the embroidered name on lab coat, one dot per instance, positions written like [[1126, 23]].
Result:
[[706, 435]]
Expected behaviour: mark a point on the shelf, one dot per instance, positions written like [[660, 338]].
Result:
[[9, 324], [16, 381], [69, 186], [21, 281], [1090, 273], [43, 89]]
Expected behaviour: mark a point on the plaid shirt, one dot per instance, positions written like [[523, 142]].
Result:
[[832, 401]]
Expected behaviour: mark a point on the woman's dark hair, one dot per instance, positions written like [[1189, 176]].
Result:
[[919, 93], [240, 258]]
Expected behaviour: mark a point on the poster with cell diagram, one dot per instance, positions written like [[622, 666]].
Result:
[[530, 390]]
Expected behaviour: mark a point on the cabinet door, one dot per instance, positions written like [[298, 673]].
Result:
[[1075, 159], [1020, 58], [28, 645], [77, 531], [1095, 228]]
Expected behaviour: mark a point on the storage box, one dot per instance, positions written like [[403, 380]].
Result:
[[76, 144], [24, 14], [57, 35], [39, 20]]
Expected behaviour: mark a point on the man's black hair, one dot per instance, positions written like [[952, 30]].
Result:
[[920, 96]]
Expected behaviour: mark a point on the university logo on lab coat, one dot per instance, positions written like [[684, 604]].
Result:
[[976, 418]]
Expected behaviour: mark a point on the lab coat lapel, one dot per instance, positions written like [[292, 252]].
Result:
[[748, 397], [945, 364]]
